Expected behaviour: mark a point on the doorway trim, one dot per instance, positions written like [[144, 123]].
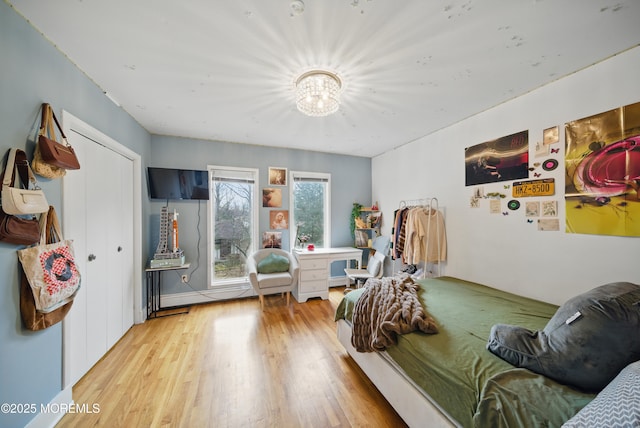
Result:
[[71, 123]]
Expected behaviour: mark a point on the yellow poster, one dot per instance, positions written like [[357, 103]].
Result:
[[602, 161]]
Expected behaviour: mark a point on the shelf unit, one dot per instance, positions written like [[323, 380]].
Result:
[[371, 218]]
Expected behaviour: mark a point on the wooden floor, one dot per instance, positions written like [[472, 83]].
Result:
[[229, 364]]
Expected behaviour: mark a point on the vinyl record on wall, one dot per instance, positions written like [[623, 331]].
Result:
[[513, 204], [549, 164]]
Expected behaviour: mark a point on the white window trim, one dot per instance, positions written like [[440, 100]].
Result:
[[230, 285], [327, 204]]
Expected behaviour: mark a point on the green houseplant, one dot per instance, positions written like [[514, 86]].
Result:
[[355, 213]]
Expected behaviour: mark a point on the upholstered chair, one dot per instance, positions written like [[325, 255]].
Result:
[[271, 271]]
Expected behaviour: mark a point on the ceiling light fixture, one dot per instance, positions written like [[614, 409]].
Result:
[[318, 93], [297, 7]]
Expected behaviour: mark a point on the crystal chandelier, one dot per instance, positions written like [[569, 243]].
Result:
[[318, 93]]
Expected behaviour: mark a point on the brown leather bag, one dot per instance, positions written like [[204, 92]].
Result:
[[53, 152], [17, 230], [31, 317]]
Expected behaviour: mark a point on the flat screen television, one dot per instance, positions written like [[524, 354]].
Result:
[[170, 183]]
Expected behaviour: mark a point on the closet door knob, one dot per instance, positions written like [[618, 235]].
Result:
[[92, 257], [119, 248]]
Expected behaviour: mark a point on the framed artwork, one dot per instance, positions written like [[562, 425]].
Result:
[[277, 176], [279, 219], [272, 240], [271, 197]]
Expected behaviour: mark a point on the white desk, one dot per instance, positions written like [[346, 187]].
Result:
[[315, 270]]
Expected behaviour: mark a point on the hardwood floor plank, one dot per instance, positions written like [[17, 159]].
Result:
[[230, 364]]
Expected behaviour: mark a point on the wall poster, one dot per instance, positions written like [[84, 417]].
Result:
[[279, 219], [271, 239], [503, 159], [602, 165]]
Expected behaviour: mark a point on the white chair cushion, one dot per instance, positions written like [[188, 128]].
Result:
[[373, 267], [269, 280], [357, 273]]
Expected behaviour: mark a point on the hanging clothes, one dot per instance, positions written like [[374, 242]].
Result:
[[425, 236], [419, 235], [399, 233]]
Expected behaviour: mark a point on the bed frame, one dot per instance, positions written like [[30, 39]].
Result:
[[413, 405]]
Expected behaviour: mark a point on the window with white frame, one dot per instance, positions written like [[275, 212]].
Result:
[[310, 208], [233, 227]]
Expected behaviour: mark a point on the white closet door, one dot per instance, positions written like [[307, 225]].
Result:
[[119, 249], [98, 279], [75, 220], [98, 202], [126, 255]]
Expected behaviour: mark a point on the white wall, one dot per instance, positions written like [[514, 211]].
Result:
[[502, 251]]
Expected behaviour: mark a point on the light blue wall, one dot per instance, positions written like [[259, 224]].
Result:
[[350, 182], [33, 71]]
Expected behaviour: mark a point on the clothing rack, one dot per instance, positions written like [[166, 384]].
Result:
[[425, 202], [432, 205]]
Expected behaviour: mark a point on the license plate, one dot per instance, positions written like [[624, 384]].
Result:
[[544, 187]]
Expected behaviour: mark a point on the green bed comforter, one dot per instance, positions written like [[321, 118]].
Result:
[[475, 387]]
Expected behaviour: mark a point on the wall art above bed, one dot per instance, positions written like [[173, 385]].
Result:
[[602, 183], [502, 159]]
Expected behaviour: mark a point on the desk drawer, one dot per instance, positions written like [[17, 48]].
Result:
[[313, 263], [314, 275], [311, 286]]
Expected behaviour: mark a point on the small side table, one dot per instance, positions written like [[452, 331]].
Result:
[[154, 285]]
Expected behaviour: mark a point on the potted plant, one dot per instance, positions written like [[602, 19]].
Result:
[[355, 213]]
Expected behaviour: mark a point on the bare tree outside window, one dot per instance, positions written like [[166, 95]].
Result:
[[310, 195], [233, 219]]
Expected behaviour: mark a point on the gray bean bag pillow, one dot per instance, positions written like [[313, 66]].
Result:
[[588, 341]]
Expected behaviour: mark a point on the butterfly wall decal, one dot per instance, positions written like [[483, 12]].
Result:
[[555, 150]]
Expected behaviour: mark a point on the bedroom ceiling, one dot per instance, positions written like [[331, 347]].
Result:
[[225, 70]]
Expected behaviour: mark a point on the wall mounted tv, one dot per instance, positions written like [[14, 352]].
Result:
[[169, 183]]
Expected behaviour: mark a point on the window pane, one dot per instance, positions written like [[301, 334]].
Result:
[[309, 210], [233, 227]]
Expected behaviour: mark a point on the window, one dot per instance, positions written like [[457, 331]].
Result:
[[310, 207], [233, 223]]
